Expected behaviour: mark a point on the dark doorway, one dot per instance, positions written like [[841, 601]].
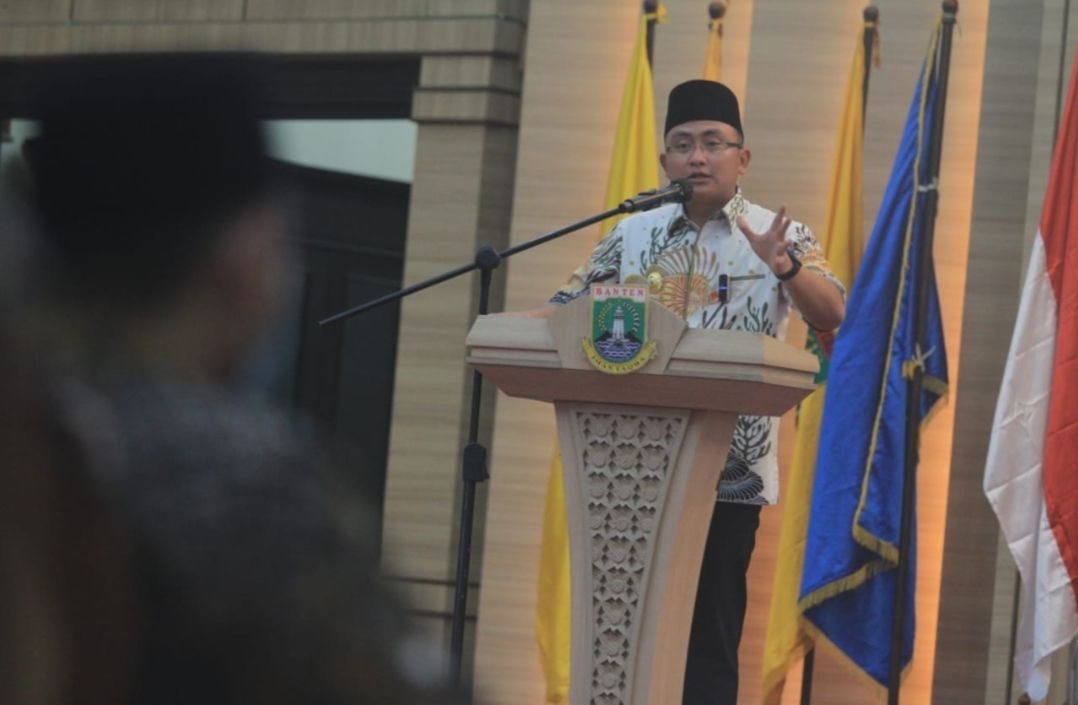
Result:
[[350, 241], [350, 238]]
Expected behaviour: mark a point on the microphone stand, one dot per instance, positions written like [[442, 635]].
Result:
[[474, 460]]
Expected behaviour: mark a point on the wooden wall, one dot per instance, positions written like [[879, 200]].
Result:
[[1027, 65], [517, 104], [992, 288], [317, 26], [788, 60]]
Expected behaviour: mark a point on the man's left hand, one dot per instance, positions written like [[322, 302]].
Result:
[[770, 246], [818, 299]]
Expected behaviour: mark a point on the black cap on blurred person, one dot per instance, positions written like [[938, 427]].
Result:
[[140, 158]]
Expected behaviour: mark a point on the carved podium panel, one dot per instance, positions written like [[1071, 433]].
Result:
[[642, 454]]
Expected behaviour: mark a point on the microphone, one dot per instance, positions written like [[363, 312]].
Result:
[[677, 191]]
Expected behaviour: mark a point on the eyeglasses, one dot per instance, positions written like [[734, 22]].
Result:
[[711, 145]]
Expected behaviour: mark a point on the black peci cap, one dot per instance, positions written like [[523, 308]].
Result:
[[702, 100]]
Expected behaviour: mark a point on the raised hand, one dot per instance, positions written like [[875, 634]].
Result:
[[770, 245]]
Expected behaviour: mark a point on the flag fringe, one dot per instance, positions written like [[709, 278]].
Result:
[[879, 690], [844, 584]]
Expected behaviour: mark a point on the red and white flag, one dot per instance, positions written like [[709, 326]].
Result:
[[1031, 478]]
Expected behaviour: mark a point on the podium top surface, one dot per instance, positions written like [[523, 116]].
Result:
[[718, 370]]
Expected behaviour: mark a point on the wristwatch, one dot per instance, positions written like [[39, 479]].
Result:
[[793, 270]]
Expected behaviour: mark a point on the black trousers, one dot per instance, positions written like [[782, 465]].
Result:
[[711, 667]]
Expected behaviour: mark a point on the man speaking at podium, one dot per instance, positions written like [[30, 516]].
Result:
[[719, 261]]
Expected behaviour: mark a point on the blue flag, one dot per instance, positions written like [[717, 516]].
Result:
[[849, 578]]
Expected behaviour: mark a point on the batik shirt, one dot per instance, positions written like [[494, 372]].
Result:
[[682, 264]]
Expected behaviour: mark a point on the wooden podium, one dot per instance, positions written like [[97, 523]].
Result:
[[642, 454]]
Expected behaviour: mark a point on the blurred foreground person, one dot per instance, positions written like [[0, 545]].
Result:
[[65, 589], [253, 577]]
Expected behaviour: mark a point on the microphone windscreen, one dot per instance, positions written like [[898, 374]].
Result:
[[686, 191]]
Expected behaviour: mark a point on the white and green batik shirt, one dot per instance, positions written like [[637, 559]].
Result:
[[682, 264]]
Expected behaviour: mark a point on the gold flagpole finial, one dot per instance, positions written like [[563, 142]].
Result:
[[716, 10]]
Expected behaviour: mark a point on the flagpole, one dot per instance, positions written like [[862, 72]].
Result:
[[915, 385], [651, 7], [807, 666], [871, 16], [716, 11]]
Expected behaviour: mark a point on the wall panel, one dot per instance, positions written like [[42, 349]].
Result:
[[992, 288], [35, 11], [426, 10], [790, 71], [157, 10], [788, 61]]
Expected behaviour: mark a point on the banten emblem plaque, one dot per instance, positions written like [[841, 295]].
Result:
[[619, 329]]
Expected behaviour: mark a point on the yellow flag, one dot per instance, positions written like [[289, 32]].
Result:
[[713, 59], [786, 641], [633, 168]]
